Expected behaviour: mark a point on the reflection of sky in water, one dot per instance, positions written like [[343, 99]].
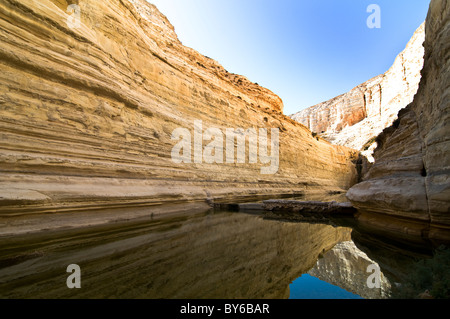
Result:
[[309, 287]]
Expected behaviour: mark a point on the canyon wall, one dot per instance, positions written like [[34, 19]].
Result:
[[87, 113], [354, 118], [407, 190]]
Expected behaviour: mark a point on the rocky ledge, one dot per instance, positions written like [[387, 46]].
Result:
[[313, 207], [294, 207]]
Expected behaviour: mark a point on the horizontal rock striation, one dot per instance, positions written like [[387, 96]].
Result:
[[354, 118], [410, 179], [87, 115]]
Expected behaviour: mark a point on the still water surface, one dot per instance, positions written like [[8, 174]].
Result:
[[203, 254]]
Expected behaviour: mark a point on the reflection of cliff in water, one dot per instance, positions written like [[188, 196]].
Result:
[[395, 256], [346, 266], [205, 255]]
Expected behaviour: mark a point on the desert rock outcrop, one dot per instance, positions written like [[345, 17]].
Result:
[[407, 190], [354, 118], [87, 113]]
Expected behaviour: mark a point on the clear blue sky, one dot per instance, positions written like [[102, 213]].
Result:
[[304, 51]]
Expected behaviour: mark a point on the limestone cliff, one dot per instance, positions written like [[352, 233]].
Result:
[[87, 113], [354, 118], [409, 181]]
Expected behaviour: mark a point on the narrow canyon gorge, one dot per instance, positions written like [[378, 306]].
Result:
[[407, 189], [355, 118], [88, 114], [399, 121]]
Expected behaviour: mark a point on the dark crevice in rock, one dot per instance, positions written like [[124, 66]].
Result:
[[423, 172]]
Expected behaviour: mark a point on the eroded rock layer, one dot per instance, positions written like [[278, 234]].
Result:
[[354, 118], [87, 113], [410, 179]]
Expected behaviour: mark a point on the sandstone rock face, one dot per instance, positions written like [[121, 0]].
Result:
[[87, 114], [353, 118], [410, 178]]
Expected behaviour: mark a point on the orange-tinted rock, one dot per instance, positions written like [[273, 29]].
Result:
[[353, 118]]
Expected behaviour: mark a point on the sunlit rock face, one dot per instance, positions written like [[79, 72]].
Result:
[[347, 267], [410, 177], [353, 118], [88, 112], [202, 255]]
